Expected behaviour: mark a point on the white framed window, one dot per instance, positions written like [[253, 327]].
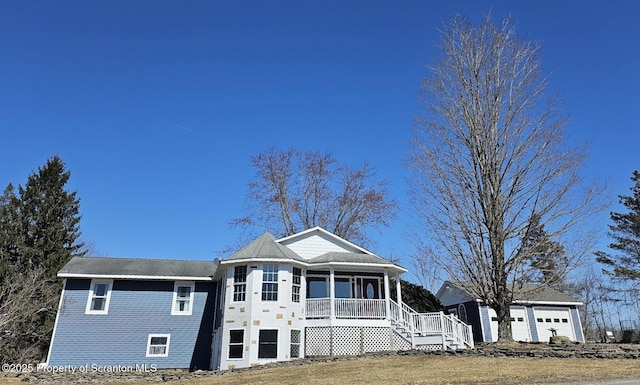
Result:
[[158, 345], [182, 298], [270, 283], [240, 283], [295, 284], [268, 344], [236, 343], [99, 297], [295, 344]]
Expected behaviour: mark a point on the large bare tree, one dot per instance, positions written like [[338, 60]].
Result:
[[295, 190], [490, 154]]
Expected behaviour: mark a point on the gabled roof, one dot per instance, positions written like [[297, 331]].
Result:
[[317, 229], [526, 293], [265, 247], [135, 268]]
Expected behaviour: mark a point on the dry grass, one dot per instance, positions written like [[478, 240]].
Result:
[[410, 370], [434, 370]]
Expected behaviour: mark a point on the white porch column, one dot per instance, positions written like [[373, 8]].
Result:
[[387, 295], [332, 294], [398, 290]]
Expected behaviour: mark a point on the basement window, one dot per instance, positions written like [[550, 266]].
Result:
[[268, 347], [236, 343], [158, 345]]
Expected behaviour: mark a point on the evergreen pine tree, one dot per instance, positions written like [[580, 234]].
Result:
[[546, 256], [39, 231], [10, 238], [50, 218], [626, 233]]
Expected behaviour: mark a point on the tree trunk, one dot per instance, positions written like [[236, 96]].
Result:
[[504, 323]]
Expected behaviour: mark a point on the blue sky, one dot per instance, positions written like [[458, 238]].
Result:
[[157, 106]]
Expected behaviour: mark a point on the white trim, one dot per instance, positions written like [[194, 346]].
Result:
[[192, 288], [545, 303], [55, 324], [312, 266], [166, 352], [109, 283], [136, 277]]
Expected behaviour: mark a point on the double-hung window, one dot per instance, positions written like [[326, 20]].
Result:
[[270, 283], [99, 296], [182, 298], [295, 285], [158, 345], [268, 344], [236, 343], [240, 283]]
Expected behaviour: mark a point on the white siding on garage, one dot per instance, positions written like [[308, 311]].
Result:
[[553, 318], [519, 325]]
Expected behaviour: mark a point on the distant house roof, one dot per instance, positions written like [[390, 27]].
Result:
[[134, 268], [526, 293]]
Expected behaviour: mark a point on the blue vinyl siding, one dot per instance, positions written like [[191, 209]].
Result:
[[136, 309]]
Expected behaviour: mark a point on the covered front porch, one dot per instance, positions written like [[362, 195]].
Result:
[[350, 295], [356, 299]]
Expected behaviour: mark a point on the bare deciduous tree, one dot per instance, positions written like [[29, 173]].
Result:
[[28, 297], [488, 155], [295, 190]]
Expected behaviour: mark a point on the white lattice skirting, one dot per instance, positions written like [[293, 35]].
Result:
[[352, 340]]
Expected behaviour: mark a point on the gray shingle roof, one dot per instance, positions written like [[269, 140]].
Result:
[[349, 258], [135, 267], [531, 293], [265, 247]]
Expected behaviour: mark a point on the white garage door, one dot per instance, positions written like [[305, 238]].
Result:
[[519, 325], [553, 318]]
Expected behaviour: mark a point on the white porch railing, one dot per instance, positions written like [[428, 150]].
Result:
[[453, 331], [346, 308], [425, 324], [318, 308], [360, 308]]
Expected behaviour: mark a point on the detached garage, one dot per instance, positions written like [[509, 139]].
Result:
[[535, 314]]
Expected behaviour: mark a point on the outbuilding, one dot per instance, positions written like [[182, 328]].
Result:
[[536, 313]]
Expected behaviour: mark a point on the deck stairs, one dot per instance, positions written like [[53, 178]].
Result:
[[430, 330]]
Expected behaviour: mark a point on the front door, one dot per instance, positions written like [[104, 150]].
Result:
[[370, 288]]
